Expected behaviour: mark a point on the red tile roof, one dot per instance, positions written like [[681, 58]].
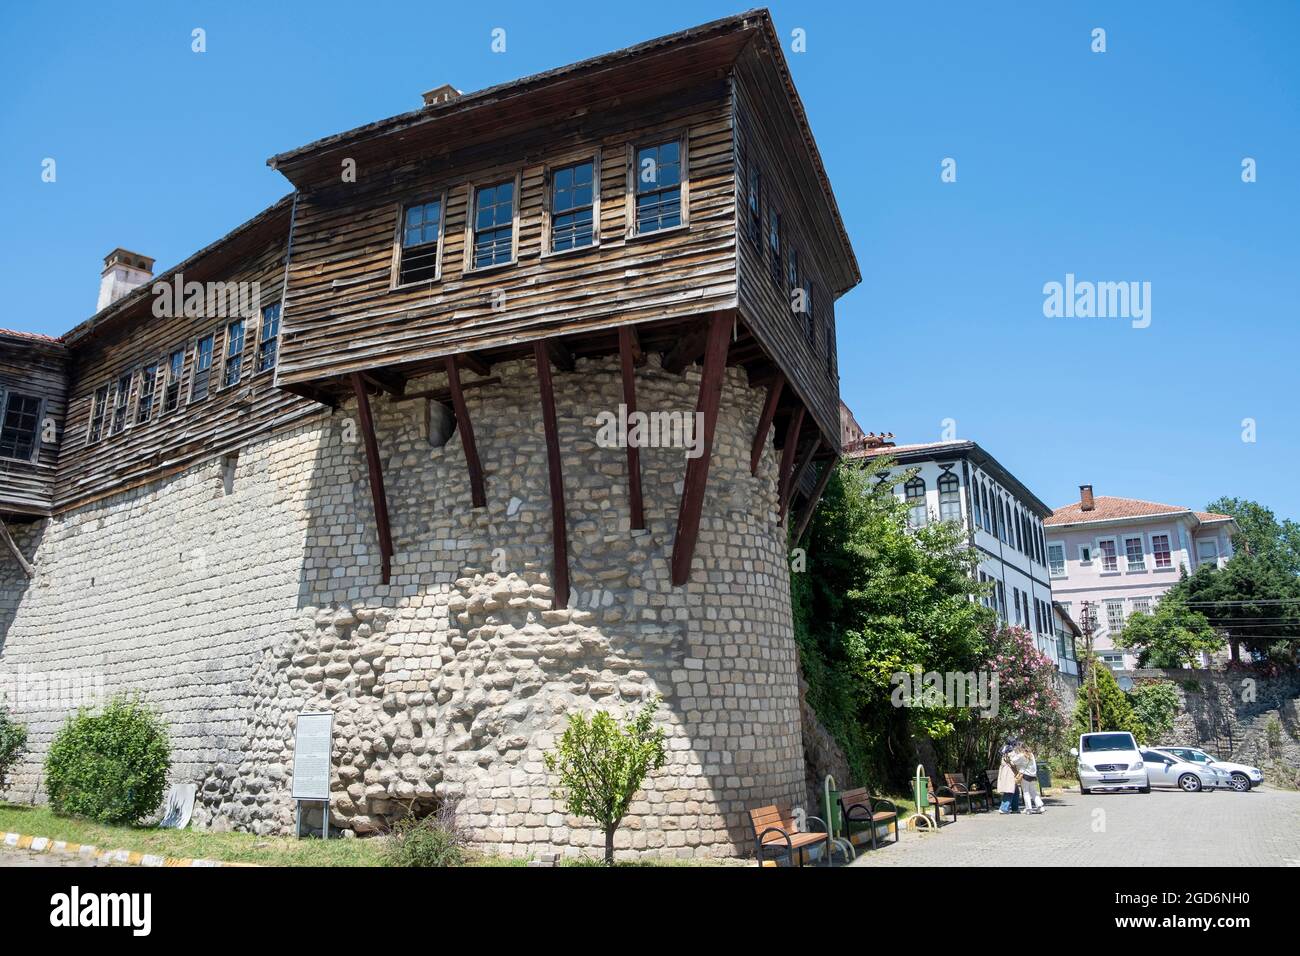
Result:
[[1207, 516], [35, 336], [1110, 509]]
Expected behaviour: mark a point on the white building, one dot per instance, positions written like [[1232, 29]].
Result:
[[959, 481]]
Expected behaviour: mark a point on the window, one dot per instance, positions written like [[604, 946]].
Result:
[[1115, 615], [421, 243], [172, 388], [809, 317], [1160, 550], [1134, 554], [1015, 599], [988, 513], [1056, 560], [573, 204], [234, 353], [98, 412], [949, 498], [268, 338], [148, 385], [792, 273], [494, 225], [1114, 661], [1002, 600], [754, 203], [120, 399], [1109, 560], [20, 426], [1085, 554], [1207, 551], [203, 349], [1142, 605], [914, 491], [975, 507], [658, 191], [774, 242], [1038, 616]]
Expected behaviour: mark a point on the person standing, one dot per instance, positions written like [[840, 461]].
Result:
[[1007, 779], [1026, 767]]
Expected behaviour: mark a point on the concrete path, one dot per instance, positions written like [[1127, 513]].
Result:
[[1162, 828]]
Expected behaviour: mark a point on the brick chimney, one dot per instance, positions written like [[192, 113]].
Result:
[[441, 94], [1086, 502], [123, 271]]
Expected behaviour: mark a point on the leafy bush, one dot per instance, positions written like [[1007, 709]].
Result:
[[109, 767], [1112, 705], [1155, 704], [13, 743], [433, 840], [602, 764]]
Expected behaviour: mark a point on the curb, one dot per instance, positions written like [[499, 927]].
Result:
[[37, 844]]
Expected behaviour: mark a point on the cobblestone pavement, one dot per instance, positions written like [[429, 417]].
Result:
[[1161, 828], [11, 857]]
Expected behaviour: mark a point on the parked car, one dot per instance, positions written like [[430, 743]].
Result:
[[1243, 777], [1110, 761], [1165, 769]]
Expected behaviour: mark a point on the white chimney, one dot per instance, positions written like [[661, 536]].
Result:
[[441, 94], [123, 271]]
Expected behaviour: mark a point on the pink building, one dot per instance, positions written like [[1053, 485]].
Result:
[[1122, 555]]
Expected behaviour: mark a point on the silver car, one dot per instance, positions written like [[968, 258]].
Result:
[[1166, 769], [1244, 776]]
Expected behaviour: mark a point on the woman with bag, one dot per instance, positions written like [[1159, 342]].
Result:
[[1026, 767], [1007, 779]]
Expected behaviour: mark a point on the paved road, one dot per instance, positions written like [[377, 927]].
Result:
[[11, 857], [1162, 828]]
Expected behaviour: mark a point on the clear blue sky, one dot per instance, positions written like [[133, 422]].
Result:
[[1117, 166]]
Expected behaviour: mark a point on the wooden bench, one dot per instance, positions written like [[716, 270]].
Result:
[[863, 813], [775, 834], [942, 799], [957, 784]]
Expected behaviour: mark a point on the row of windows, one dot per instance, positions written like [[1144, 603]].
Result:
[[918, 514], [767, 236], [657, 179], [1019, 613], [1001, 516], [1106, 551], [20, 423], [157, 388]]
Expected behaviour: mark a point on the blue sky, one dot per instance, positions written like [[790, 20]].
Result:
[[1115, 166]]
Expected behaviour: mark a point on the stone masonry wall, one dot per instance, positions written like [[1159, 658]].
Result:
[[234, 597]]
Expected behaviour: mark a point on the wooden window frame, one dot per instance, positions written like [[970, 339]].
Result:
[[261, 324], [395, 274], [139, 395], [682, 136], [91, 438], [592, 155], [215, 335], [128, 419], [41, 404], [222, 385], [166, 365], [471, 201]]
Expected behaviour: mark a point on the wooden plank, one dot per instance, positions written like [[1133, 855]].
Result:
[[688, 349], [788, 452], [475, 364], [561, 357], [627, 351], [18, 555], [555, 476], [376, 474], [798, 476], [466, 429], [774, 390], [697, 469], [805, 516]]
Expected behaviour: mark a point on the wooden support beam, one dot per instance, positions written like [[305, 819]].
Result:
[[774, 390], [689, 347], [627, 350], [475, 364], [697, 469], [797, 480], [18, 555], [444, 394], [638, 353], [388, 382], [559, 534], [466, 429], [805, 516], [788, 452], [376, 474], [561, 357]]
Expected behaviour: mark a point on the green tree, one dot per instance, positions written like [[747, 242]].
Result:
[[876, 599], [1155, 704], [1254, 598], [1116, 713], [1261, 534], [1172, 635], [13, 744], [602, 764]]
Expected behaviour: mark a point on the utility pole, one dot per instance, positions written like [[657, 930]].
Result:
[[1088, 623]]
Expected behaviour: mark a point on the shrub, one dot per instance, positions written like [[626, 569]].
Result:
[[13, 744], [433, 840], [109, 767], [1155, 704]]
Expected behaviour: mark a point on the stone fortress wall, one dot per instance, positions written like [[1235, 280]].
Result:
[[247, 590]]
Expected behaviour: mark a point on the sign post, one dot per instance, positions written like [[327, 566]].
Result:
[[312, 745]]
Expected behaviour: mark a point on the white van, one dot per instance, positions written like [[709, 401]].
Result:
[[1110, 761]]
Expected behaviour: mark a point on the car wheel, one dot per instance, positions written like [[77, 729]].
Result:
[[1084, 790], [1189, 782], [1146, 789], [1240, 782]]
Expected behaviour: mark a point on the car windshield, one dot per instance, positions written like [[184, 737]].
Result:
[[1097, 742]]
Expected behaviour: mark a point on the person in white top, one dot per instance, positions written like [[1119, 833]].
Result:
[[1026, 767]]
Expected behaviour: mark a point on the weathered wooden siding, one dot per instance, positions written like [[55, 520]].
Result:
[[767, 137], [343, 314], [170, 441], [38, 368]]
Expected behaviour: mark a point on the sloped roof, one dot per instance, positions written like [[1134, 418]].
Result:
[[1111, 508]]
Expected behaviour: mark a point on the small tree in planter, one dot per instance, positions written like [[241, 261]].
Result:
[[602, 764], [13, 744]]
